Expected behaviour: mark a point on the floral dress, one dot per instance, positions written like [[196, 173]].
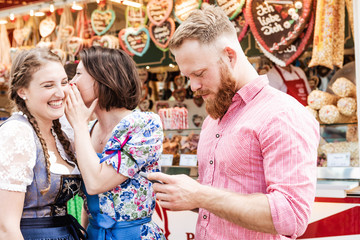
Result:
[[125, 211]]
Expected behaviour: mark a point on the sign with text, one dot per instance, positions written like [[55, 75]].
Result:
[[188, 160], [166, 159], [338, 159]]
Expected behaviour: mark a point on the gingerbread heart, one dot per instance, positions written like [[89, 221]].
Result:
[[122, 42], [136, 17], [198, 100], [179, 81], [159, 10], [74, 45], [161, 34], [26, 32], [18, 36], [137, 41], [182, 9], [66, 32], [96, 41], [160, 105], [143, 74], [179, 94], [46, 27], [232, 8], [241, 26], [197, 120], [276, 24], [101, 21], [296, 48]]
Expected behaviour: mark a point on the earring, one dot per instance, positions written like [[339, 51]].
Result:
[[24, 98]]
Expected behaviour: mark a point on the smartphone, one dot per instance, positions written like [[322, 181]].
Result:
[[144, 174]]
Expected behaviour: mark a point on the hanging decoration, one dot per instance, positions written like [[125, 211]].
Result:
[[122, 43], [161, 34], [136, 17], [109, 41], [296, 48], [158, 11], [83, 25], [232, 8], [183, 8], [137, 41], [241, 26], [4, 47], [276, 24], [101, 21], [329, 34], [18, 34], [46, 27]]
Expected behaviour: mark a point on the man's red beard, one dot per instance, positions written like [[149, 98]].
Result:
[[218, 106]]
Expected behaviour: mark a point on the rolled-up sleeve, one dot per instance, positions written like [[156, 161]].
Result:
[[290, 157]]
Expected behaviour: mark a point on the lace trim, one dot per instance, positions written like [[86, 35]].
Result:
[[13, 187]]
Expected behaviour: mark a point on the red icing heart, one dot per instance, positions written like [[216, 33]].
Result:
[[268, 25], [278, 8], [284, 15], [296, 48]]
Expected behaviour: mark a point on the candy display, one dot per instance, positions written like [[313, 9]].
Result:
[[347, 106], [174, 118], [343, 87], [329, 114], [342, 147], [314, 112], [318, 99]]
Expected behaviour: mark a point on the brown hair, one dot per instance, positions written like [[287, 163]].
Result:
[[25, 64], [202, 25], [117, 78]]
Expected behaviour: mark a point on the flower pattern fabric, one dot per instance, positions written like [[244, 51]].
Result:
[[135, 198]]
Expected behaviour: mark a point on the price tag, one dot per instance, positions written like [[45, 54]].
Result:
[[166, 159], [338, 159], [188, 160]]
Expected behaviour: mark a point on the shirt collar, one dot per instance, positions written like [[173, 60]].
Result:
[[251, 89]]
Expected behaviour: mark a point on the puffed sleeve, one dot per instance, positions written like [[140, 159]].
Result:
[[18, 156], [137, 143]]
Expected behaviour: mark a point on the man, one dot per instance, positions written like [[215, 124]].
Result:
[[258, 146]]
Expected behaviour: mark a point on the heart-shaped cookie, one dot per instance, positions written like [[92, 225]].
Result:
[[74, 45], [137, 41], [197, 120], [182, 8], [198, 100], [143, 75], [159, 10], [46, 27], [136, 17], [232, 8], [276, 24], [241, 26], [122, 43], [26, 32], [66, 32], [161, 34], [18, 36], [296, 48], [179, 94], [96, 41], [101, 21], [160, 105], [179, 81]]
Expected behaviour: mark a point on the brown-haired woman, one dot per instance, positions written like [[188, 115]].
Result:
[[121, 143], [37, 166]]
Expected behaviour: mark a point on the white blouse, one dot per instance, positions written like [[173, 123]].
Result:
[[18, 156]]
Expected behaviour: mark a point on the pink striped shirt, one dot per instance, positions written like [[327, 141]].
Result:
[[266, 143]]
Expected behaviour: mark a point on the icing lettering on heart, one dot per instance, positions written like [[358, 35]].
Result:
[[101, 21], [159, 10], [46, 27], [232, 8], [183, 8], [137, 41], [161, 34]]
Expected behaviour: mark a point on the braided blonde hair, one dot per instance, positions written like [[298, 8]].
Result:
[[25, 64]]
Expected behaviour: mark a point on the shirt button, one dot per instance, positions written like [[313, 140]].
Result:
[[211, 161], [204, 217], [217, 135]]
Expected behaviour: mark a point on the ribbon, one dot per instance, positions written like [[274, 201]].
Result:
[[113, 151]]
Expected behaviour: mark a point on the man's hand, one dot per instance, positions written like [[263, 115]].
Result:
[[178, 192]]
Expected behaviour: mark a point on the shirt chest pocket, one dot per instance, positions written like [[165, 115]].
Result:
[[235, 156]]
